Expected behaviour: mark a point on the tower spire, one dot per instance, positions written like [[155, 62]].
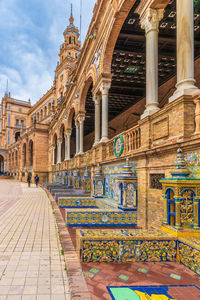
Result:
[[71, 19]]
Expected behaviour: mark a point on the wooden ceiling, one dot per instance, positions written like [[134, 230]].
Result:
[[129, 61]]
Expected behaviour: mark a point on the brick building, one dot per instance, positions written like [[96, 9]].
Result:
[[125, 80]]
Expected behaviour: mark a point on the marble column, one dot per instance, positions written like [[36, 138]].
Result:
[[53, 156], [105, 90], [150, 22], [96, 99], [185, 49], [67, 145], [81, 133], [59, 147], [77, 136]]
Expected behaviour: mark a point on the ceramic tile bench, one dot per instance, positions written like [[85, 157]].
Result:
[[125, 245]]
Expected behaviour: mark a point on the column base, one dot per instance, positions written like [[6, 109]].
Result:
[[80, 153], [150, 110], [104, 139], [95, 144], [184, 88]]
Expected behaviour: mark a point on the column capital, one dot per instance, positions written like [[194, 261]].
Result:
[[76, 122], [150, 20], [81, 117], [68, 132], [96, 98], [104, 88]]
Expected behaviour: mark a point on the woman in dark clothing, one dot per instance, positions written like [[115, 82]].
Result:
[[29, 180], [36, 180]]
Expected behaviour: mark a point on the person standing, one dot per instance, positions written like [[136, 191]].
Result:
[[29, 180], [36, 180]]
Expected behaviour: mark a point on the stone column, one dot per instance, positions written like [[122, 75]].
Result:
[[81, 133], [150, 22], [104, 90], [77, 136], [53, 155], [96, 100], [59, 147], [67, 144], [185, 49]]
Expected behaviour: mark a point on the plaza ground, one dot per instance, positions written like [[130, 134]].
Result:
[[32, 265]]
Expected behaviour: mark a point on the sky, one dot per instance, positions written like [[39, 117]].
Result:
[[31, 32]]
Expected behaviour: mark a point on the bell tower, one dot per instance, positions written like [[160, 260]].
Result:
[[68, 56], [71, 45]]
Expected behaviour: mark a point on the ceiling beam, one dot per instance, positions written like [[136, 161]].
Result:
[[141, 38]]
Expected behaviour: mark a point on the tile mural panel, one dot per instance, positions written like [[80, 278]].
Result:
[[193, 163], [111, 174]]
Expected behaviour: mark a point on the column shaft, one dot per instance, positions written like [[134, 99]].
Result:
[[59, 151], [104, 90], [77, 137], [97, 119], [53, 156], [185, 49], [68, 146], [81, 132], [150, 23]]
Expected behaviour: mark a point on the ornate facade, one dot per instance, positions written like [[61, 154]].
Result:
[[125, 80]]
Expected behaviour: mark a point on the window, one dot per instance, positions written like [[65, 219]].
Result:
[[8, 120], [61, 77], [70, 40], [8, 137], [17, 122], [22, 123], [20, 109], [9, 107]]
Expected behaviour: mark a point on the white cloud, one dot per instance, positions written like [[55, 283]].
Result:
[[30, 43]]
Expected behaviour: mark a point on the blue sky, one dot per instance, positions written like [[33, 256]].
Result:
[[31, 32]]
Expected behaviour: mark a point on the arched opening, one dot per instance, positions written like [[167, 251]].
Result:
[[49, 108], [171, 212], [17, 135], [55, 149], [16, 159], [187, 209], [71, 124], [41, 115], [128, 64], [63, 143], [45, 111], [24, 155], [31, 153], [89, 118], [1, 165]]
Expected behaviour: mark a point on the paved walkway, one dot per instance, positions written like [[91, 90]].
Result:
[[31, 261]]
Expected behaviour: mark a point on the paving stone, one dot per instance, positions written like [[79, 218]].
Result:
[[30, 251]]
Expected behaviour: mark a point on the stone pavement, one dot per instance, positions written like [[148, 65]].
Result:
[[31, 262]]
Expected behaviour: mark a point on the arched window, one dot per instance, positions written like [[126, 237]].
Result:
[[55, 149], [49, 108], [31, 153], [17, 135], [24, 155]]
